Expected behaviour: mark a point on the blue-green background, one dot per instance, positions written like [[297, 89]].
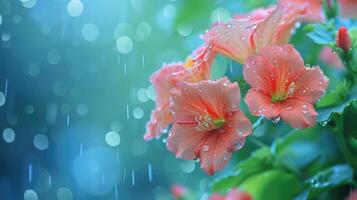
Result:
[[67, 81]]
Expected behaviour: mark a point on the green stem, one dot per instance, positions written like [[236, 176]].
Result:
[[343, 143]]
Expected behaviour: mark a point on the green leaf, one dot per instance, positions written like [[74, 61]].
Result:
[[273, 184], [328, 179], [259, 161], [336, 96], [298, 149], [325, 113], [244, 86], [191, 12], [320, 34]]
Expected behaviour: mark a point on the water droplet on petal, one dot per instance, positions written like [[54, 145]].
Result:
[[288, 108], [205, 148], [275, 119]]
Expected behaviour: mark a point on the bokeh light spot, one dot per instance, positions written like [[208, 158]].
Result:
[[2, 99], [143, 31], [64, 193], [138, 113], [30, 195], [112, 138], [82, 109], [5, 36], [75, 8], [8, 135], [33, 69], [90, 32], [29, 3], [169, 11], [124, 44], [53, 56], [29, 109], [40, 141]]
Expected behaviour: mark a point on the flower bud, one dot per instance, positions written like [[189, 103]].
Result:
[[343, 39]]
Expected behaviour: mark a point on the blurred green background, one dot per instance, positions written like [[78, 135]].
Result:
[[75, 95]]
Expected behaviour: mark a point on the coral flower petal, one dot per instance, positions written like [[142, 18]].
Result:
[[197, 68], [163, 83], [272, 67], [314, 8], [297, 113], [283, 86], [276, 28], [208, 124], [260, 104], [313, 84], [244, 36], [232, 39]]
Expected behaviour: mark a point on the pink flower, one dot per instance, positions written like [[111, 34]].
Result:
[[232, 195], [242, 37], [208, 124], [329, 57], [314, 12], [348, 8], [178, 191], [282, 87], [343, 39], [352, 196], [196, 68]]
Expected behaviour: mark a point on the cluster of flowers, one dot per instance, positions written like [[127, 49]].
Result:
[[207, 122]]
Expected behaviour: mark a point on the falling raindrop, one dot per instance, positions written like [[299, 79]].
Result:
[[150, 172], [127, 112], [6, 86], [49, 181], [125, 69], [116, 195], [2, 99], [124, 174], [30, 173], [67, 120], [133, 178]]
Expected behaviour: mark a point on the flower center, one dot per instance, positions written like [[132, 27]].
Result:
[[207, 123], [283, 93]]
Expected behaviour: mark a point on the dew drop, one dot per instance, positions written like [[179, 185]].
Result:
[[275, 119], [288, 108], [205, 148]]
